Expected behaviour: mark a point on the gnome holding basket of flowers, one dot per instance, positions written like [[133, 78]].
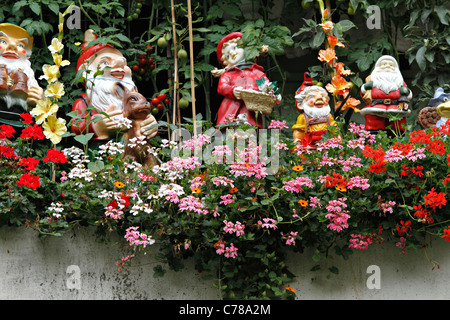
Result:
[[246, 89]]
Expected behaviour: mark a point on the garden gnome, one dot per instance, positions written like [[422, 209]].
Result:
[[18, 86], [315, 117], [238, 74], [428, 117], [101, 90], [386, 94]]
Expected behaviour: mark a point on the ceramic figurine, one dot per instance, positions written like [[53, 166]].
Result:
[[385, 92], [315, 115], [19, 89], [442, 102], [429, 117], [238, 78], [101, 93]]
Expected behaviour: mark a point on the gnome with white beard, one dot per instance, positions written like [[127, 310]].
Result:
[[315, 115], [19, 89], [101, 91], [385, 93]]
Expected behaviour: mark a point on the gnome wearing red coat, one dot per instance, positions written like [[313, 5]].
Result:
[[386, 93], [237, 75], [101, 91]]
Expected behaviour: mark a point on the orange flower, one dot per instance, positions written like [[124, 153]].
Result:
[[297, 168], [334, 41], [338, 86], [119, 184], [303, 203], [341, 188], [327, 26], [350, 103], [234, 190], [327, 55], [290, 289], [339, 66], [196, 190]]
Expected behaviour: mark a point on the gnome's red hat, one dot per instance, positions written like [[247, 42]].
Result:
[[307, 82], [228, 37], [87, 53]]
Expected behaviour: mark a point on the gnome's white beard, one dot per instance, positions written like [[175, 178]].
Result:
[[102, 94], [14, 64], [314, 112], [386, 81]]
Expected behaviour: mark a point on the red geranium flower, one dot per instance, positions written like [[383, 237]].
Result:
[[32, 132], [30, 164], [27, 118], [6, 131], [446, 234], [55, 156], [28, 181], [434, 199], [7, 152]]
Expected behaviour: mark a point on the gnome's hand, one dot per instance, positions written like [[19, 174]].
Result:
[[367, 97], [35, 93], [149, 127], [237, 92], [105, 127]]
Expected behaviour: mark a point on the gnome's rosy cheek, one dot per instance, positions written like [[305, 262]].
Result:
[[310, 100]]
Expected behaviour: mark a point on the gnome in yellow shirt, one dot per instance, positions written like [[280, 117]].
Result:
[[315, 115]]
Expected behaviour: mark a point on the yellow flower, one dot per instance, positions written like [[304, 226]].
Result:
[[77, 44], [50, 73], [297, 168], [43, 109], [54, 128], [196, 190], [56, 46], [119, 184], [57, 58], [55, 90]]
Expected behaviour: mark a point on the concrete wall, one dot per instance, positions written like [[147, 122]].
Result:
[[33, 268]]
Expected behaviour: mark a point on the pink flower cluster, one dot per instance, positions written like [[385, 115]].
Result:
[[296, 184], [275, 124], [222, 180], [237, 228], [193, 204], [268, 223], [360, 242], [124, 260], [134, 237], [358, 182], [228, 252], [337, 215], [364, 136], [314, 202], [197, 142], [386, 206], [197, 182], [249, 163], [290, 238], [226, 199]]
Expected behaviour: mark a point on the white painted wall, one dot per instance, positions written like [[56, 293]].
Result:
[[32, 268]]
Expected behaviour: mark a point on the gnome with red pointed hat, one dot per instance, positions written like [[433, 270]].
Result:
[[237, 75], [101, 90]]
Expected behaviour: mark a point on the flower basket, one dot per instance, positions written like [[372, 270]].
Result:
[[258, 101]]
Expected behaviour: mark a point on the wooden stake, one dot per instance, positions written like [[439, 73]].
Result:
[[175, 59], [191, 56]]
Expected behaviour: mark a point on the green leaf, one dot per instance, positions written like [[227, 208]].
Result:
[[420, 58], [35, 7], [442, 13], [84, 138]]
